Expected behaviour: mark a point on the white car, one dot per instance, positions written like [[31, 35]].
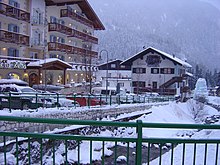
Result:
[[59, 100]]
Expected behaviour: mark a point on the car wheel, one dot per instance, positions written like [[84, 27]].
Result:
[[25, 106]]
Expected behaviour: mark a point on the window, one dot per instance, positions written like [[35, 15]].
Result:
[[139, 70], [154, 70], [37, 35], [53, 38], [53, 19], [138, 84], [13, 28], [33, 55], [122, 66], [153, 60], [167, 70], [12, 52], [121, 84], [61, 57], [113, 65], [61, 22], [37, 16], [14, 3], [69, 8]]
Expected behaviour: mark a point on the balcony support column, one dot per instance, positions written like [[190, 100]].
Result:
[[64, 77]]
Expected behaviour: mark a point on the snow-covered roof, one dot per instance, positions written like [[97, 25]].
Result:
[[40, 63], [189, 74], [110, 61], [13, 81], [145, 51]]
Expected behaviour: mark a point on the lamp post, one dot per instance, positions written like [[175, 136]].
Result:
[[106, 84]]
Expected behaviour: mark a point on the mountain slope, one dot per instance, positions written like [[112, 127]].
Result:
[[186, 28]]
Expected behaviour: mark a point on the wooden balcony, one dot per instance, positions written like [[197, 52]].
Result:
[[84, 52], [54, 46], [84, 36], [76, 17], [72, 32], [12, 37], [59, 28], [14, 12]]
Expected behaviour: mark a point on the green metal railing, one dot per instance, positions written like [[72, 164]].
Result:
[[36, 100], [140, 155]]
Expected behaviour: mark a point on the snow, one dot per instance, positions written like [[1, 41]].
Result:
[[13, 81], [48, 60], [174, 58], [169, 113], [121, 159], [201, 89]]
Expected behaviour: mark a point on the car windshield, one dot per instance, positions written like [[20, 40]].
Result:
[[28, 90]]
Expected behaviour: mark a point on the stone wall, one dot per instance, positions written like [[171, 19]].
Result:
[[86, 114]]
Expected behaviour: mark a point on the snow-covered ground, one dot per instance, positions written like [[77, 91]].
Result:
[[171, 113]]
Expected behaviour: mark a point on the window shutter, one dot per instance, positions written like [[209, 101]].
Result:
[[10, 51], [62, 40], [10, 27], [16, 53], [17, 29]]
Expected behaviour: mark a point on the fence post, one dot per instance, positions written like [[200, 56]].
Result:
[[89, 100], [139, 143], [9, 101], [58, 99], [37, 100], [100, 99]]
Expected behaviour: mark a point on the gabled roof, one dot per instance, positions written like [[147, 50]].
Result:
[[151, 49], [110, 62], [86, 8], [50, 63]]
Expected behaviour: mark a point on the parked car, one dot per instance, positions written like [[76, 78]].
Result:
[[21, 97], [59, 100]]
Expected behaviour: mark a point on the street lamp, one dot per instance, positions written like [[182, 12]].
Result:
[[106, 84]]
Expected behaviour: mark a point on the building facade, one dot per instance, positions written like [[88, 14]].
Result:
[[157, 71], [115, 74], [34, 30]]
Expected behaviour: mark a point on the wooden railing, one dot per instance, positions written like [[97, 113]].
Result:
[[171, 81], [14, 12], [12, 37], [54, 46], [72, 32], [76, 17], [84, 36], [59, 28]]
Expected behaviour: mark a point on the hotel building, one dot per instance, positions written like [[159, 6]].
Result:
[[48, 41]]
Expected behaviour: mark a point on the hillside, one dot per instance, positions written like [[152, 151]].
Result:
[[186, 28]]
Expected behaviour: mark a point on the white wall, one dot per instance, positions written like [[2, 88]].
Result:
[[148, 77], [113, 78]]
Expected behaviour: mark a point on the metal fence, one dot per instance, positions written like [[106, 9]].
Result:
[[13, 100], [141, 152]]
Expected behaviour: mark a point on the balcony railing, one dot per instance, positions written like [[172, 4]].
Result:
[[72, 32], [84, 36], [12, 37], [59, 28], [75, 16], [55, 46], [14, 12]]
